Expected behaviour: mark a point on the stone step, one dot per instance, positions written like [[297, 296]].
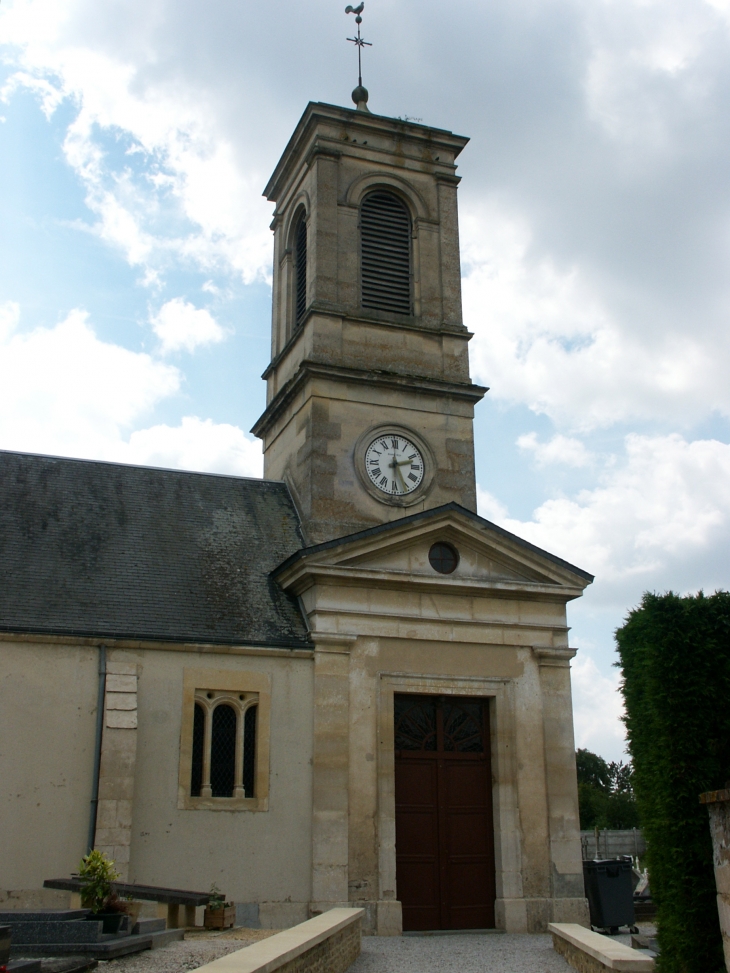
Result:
[[113, 947], [78, 931], [159, 939], [41, 915], [24, 966], [144, 926]]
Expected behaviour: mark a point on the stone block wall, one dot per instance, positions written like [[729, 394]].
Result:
[[578, 959], [334, 955], [118, 760]]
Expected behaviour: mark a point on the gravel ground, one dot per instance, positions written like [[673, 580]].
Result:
[[195, 950], [494, 953]]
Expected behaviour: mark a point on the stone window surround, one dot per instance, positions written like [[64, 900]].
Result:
[[239, 706], [224, 681]]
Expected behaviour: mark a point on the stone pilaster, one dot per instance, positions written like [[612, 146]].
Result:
[[718, 804], [118, 758], [568, 895], [330, 772]]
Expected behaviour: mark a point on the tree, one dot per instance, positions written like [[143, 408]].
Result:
[[605, 793]]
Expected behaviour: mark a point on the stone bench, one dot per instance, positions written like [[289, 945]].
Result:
[[329, 943], [169, 899], [589, 952]]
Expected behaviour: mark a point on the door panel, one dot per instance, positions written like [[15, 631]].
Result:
[[416, 838], [444, 829]]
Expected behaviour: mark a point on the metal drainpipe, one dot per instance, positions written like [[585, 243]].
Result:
[[97, 748]]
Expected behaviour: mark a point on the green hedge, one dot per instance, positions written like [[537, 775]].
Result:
[[675, 656]]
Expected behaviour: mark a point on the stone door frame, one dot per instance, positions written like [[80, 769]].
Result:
[[507, 851]]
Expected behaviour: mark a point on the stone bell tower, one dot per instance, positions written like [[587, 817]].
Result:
[[369, 401]]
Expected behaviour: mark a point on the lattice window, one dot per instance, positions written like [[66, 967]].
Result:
[[463, 726], [249, 751], [440, 724], [300, 270], [385, 253], [224, 744], [415, 723], [223, 751], [196, 776]]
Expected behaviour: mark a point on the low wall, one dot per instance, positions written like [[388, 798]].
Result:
[[589, 952], [329, 943]]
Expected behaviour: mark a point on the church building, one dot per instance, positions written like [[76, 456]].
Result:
[[337, 685]]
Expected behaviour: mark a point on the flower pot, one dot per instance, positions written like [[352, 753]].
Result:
[[224, 918], [112, 921]]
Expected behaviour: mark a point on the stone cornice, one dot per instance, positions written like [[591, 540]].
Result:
[[364, 122], [309, 369], [333, 642], [342, 313], [207, 648], [546, 655], [301, 575]]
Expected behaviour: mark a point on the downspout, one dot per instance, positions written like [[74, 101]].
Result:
[[97, 749]]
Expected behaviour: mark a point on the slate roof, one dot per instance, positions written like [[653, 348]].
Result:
[[101, 549]]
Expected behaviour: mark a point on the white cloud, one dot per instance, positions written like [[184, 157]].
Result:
[[549, 342], [180, 325], [9, 318], [659, 517], [597, 709], [197, 444], [65, 392], [176, 191], [558, 450], [62, 390]]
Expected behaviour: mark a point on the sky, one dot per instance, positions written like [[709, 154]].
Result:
[[135, 256]]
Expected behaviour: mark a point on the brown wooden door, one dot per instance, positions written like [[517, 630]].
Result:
[[444, 835]]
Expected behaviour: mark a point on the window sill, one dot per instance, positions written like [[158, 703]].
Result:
[[223, 804]]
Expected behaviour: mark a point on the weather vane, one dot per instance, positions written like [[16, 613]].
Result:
[[360, 94]]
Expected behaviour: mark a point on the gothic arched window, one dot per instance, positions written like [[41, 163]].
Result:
[[223, 758], [300, 269], [385, 253]]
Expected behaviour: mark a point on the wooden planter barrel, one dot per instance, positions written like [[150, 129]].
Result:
[[224, 918]]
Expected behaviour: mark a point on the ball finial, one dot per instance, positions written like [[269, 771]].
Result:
[[360, 97]]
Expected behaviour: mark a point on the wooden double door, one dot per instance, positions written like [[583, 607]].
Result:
[[444, 832]]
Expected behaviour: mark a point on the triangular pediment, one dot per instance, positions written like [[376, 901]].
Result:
[[488, 556]]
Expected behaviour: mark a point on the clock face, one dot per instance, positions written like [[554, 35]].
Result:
[[394, 465]]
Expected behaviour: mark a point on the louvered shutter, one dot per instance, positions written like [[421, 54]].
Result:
[[385, 253], [300, 264]]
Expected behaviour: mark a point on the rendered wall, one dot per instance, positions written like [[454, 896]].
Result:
[[253, 856], [48, 697]]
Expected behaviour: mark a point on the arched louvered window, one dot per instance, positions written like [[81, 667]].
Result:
[[385, 253], [249, 752], [223, 751], [300, 269], [196, 776]]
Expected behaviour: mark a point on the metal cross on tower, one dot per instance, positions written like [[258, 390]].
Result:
[[360, 94]]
